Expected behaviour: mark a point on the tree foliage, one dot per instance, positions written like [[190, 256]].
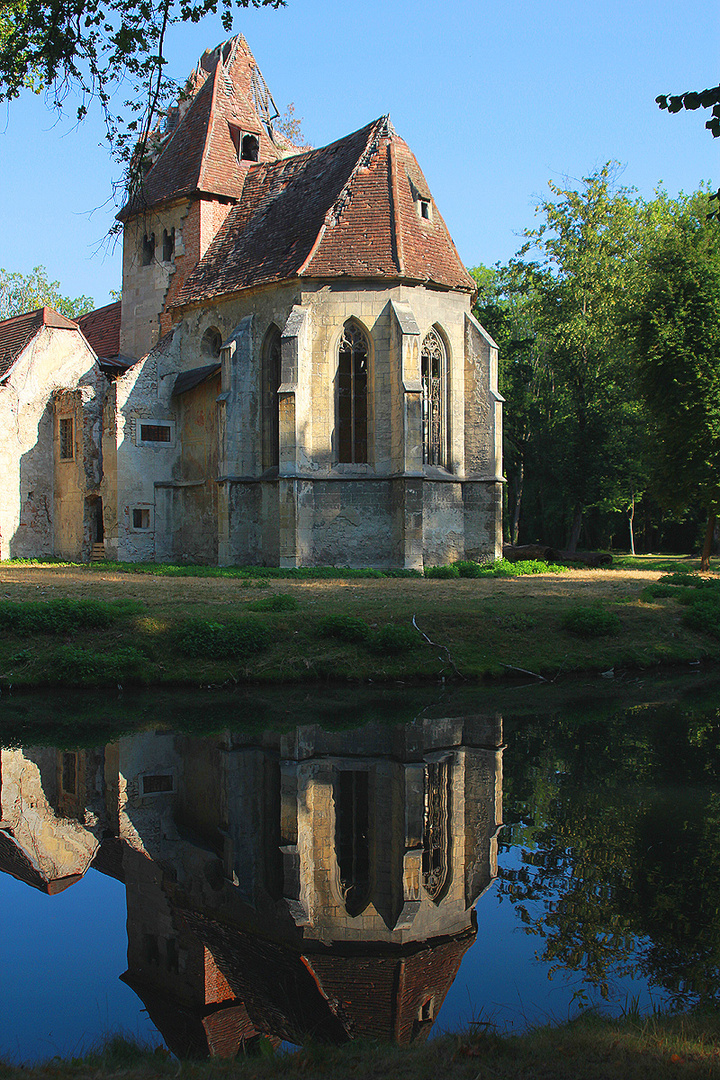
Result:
[[110, 51], [580, 446], [678, 360], [20, 293], [617, 819]]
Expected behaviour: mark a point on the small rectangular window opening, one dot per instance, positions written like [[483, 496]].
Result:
[[157, 784], [141, 518], [155, 433], [425, 209], [67, 442]]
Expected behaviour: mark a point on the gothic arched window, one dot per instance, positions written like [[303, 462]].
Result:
[[271, 368], [352, 395], [436, 830], [434, 399], [352, 840]]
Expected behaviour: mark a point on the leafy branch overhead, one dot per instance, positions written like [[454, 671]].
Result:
[[692, 100], [108, 51]]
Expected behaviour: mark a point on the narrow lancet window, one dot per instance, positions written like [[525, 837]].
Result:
[[434, 399], [148, 249], [352, 393], [271, 365], [352, 846], [436, 832]]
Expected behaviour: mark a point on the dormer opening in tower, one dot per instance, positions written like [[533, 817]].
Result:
[[250, 148]]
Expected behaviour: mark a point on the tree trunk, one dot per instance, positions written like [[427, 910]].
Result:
[[707, 546], [575, 531], [631, 515], [518, 500]]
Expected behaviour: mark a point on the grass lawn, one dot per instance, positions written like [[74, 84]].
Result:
[[163, 627], [586, 1049]]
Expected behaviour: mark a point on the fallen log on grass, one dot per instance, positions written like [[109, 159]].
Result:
[[521, 552], [586, 558]]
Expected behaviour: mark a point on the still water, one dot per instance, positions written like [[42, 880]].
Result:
[[201, 872]]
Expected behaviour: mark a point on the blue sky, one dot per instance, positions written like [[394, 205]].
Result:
[[495, 99]]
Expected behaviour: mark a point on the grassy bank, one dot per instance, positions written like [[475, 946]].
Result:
[[84, 626], [589, 1048]]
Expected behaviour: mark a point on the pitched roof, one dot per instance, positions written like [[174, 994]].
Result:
[[101, 327], [200, 156], [345, 210], [17, 333], [188, 380], [14, 861]]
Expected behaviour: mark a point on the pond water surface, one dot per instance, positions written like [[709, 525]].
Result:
[[204, 872]]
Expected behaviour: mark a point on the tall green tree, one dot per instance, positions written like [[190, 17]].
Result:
[[678, 346], [20, 293], [587, 241]]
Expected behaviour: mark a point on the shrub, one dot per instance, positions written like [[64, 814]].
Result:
[[345, 628], [75, 666], [393, 639], [466, 568], [691, 580], [276, 602], [704, 614], [442, 572], [591, 621], [233, 638], [61, 616]]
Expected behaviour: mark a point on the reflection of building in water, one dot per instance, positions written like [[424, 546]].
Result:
[[52, 814], [317, 884], [311, 884]]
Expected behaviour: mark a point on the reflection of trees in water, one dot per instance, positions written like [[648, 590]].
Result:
[[618, 822]]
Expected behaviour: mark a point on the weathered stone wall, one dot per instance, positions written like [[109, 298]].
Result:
[[313, 510], [150, 288], [55, 360]]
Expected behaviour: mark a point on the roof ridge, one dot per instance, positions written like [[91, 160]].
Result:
[[397, 230], [379, 129], [209, 128]]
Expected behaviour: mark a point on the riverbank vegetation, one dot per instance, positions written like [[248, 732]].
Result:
[[588, 1048], [83, 626]]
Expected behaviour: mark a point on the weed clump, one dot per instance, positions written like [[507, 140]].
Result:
[[590, 621], [276, 602], [450, 571], [704, 613], [693, 581], [62, 615], [345, 628], [234, 638], [72, 665], [392, 639]]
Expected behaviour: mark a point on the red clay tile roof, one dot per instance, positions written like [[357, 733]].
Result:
[[18, 332], [346, 210], [14, 861], [102, 330], [201, 157]]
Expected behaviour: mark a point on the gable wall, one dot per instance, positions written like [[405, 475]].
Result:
[[55, 360], [147, 290]]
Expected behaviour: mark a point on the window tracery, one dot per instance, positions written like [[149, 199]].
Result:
[[434, 399], [352, 391], [436, 829]]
